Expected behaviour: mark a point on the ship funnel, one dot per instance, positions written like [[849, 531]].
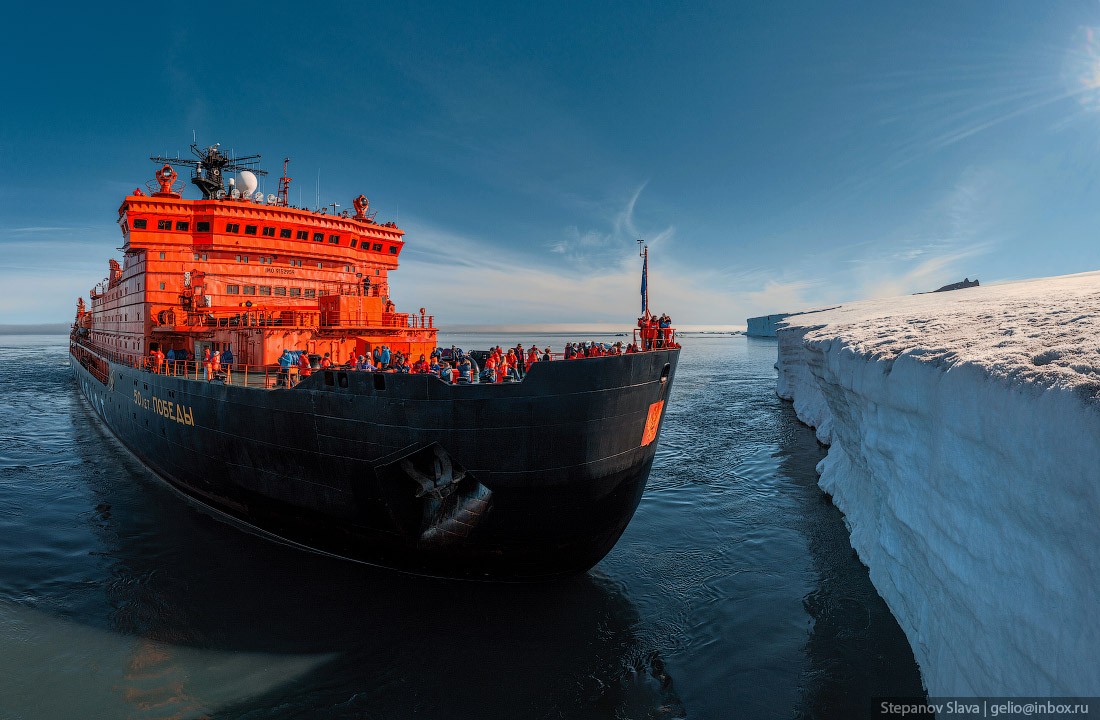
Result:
[[246, 182]]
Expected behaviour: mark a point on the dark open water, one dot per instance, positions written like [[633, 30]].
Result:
[[733, 593]]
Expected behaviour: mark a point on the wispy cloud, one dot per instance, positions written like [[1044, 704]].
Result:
[[469, 281], [956, 229], [605, 246]]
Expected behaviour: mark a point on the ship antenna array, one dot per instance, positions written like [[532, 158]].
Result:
[[209, 164]]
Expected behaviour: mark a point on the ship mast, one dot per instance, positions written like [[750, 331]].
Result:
[[284, 186], [643, 252]]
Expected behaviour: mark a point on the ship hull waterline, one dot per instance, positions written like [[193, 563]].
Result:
[[524, 481]]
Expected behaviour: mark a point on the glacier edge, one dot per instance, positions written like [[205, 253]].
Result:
[[972, 496]]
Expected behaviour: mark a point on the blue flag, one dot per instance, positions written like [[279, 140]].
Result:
[[645, 272]]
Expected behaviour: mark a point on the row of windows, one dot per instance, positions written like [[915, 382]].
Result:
[[181, 225], [294, 262], [204, 227], [271, 290]]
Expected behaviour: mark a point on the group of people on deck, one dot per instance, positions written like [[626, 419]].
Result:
[[511, 365], [656, 332], [180, 360]]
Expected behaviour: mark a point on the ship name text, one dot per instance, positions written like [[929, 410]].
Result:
[[165, 408]]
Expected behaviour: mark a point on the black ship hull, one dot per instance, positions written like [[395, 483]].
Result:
[[518, 481]]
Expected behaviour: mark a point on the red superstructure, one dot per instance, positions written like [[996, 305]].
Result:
[[252, 274]]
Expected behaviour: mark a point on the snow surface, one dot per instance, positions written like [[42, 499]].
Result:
[[964, 433]]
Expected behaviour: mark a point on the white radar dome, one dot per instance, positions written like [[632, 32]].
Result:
[[246, 181]]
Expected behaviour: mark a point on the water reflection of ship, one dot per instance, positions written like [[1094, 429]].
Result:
[[178, 577], [856, 650]]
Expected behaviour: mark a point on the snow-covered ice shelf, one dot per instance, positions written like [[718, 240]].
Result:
[[964, 434]]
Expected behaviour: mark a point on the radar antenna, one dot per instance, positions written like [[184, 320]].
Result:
[[207, 168]]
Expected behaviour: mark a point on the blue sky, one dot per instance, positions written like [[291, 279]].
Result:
[[776, 156]]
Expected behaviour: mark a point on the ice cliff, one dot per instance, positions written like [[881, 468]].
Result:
[[964, 450]]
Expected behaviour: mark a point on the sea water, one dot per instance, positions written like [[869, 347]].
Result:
[[733, 593]]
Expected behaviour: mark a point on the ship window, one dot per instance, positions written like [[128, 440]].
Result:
[[393, 249], [377, 272], [164, 224], [295, 292], [318, 237], [377, 247], [202, 227], [249, 289], [311, 292], [162, 256], [233, 227], [200, 256], [354, 242], [139, 224], [320, 266], [347, 268], [269, 232], [182, 226], [265, 289], [334, 239], [320, 293], [302, 235], [329, 379], [162, 286], [249, 229], [284, 232], [232, 289], [280, 291]]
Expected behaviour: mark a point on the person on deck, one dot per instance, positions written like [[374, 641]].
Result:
[[207, 363], [386, 357], [326, 362], [285, 361], [532, 358], [227, 356], [216, 363], [377, 356], [304, 368], [464, 370]]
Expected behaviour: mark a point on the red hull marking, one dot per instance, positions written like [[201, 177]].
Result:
[[652, 421]]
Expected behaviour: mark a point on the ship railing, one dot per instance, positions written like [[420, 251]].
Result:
[[351, 289], [408, 320], [655, 338], [258, 376]]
